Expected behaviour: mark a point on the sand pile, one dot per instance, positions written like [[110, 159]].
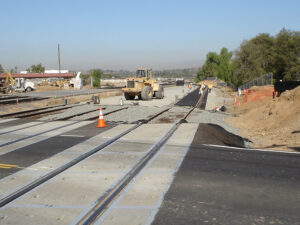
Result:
[[272, 123]]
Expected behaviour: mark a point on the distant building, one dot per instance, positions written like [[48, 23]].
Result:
[[48, 71], [56, 71], [39, 75]]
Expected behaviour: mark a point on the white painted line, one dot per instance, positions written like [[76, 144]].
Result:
[[252, 149], [71, 135]]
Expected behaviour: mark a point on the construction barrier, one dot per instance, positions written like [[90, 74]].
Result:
[[101, 122]]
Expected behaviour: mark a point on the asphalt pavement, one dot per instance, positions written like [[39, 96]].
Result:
[[190, 100], [31, 154], [227, 185]]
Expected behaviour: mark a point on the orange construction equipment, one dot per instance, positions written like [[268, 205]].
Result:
[[101, 122]]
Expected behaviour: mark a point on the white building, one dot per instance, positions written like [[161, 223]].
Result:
[[48, 71], [56, 71]]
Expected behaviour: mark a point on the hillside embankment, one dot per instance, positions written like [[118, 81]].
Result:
[[269, 123]]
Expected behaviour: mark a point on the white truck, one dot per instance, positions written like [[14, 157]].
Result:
[[22, 84]]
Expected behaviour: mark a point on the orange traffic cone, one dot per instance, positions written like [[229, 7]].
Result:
[[101, 122]]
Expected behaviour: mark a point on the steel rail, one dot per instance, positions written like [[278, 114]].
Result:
[[43, 122], [16, 194], [110, 195], [96, 117], [34, 135], [28, 111], [106, 200], [17, 100], [44, 112]]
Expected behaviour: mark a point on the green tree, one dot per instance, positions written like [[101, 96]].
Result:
[[225, 69], [36, 69], [287, 58], [1, 69], [200, 75], [265, 54], [247, 63], [217, 66], [96, 74]]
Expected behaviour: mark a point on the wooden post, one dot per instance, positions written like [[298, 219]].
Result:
[[59, 66]]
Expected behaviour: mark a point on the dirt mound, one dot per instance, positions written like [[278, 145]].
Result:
[[272, 123], [214, 134]]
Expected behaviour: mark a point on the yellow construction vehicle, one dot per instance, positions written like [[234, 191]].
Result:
[[18, 84], [7, 85], [143, 85], [62, 83]]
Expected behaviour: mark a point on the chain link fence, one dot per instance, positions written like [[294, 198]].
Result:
[[224, 84], [263, 80]]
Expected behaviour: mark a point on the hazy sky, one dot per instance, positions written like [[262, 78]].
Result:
[[125, 34]]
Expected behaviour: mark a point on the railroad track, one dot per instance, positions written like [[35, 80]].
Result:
[[28, 111], [16, 100], [46, 111], [105, 200], [59, 119]]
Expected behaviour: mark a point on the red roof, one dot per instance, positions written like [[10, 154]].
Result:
[[38, 75]]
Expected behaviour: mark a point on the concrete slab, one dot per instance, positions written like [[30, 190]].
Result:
[[132, 216], [45, 215], [147, 133], [5, 138], [126, 147], [7, 120], [38, 138], [141, 199], [81, 185], [19, 179], [70, 189], [17, 127], [14, 122], [146, 191]]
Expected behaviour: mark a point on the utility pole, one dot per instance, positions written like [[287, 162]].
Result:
[[59, 66]]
